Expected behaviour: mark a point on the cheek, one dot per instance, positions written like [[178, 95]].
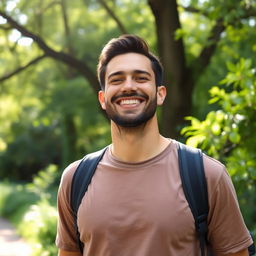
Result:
[[109, 93]]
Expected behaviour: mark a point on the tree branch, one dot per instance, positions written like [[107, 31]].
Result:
[[115, 18], [192, 9], [66, 27], [20, 69], [60, 56], [215, 35], [250, 12], [213, 39]]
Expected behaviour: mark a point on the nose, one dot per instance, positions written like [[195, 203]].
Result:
[[129, 85]]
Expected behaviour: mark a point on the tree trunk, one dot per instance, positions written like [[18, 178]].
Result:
[[70, 136], [177, 77]]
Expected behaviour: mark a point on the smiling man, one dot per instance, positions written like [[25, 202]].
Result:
[[130, 98], [135, 204]]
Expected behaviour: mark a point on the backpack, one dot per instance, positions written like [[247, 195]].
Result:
[[193, 182]]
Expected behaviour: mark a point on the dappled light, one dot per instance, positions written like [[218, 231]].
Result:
[[49, 110]]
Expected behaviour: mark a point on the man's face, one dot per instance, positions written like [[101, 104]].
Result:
[[130, 96]]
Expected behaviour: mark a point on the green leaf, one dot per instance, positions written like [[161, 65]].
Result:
[[216, 128], [234, 137], [194, 141]]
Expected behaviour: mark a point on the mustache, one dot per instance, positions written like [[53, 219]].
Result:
[[125, 95]]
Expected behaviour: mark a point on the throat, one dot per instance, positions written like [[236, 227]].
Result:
[[138, 150]]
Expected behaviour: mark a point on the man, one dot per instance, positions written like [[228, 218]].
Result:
[[135, 204]]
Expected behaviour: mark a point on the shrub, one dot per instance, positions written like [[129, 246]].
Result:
[[15, 201], [32, 209], [6, 189], [228, 134], [45, 183], [38, 226], [34, 148]]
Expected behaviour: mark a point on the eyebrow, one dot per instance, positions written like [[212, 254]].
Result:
[[136, 71]]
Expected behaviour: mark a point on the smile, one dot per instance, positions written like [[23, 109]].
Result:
[[129, 99], [129, 102]]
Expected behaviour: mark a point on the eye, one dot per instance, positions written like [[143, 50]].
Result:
[[116, 81], [142, 79]]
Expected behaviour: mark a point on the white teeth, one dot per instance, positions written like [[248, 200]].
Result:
[[129, 102]]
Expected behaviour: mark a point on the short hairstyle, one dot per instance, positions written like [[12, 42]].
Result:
[[127, 44]]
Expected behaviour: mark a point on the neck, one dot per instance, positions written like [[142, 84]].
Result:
[[137, 144]]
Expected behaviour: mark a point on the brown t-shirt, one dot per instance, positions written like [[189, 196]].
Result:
[[139, 209]]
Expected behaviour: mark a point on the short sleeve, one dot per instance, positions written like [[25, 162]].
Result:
[[227, 232], [66, 238]]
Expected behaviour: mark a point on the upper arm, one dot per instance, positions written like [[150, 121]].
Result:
[[66, 234], [69, 253], [225, 237]]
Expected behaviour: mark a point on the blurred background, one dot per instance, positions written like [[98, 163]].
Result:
[[49, 114]]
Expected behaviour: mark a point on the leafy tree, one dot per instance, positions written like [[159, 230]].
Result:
[[31, 151], [229, 132], [181, 73], [49, 51]]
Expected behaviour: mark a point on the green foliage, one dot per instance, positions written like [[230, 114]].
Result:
[[60, 99], [237, 40], [39, 226], [49, 113], [228, 134], [32, 209], [34, 148], [44, 184], [6, 190], [15, 201]]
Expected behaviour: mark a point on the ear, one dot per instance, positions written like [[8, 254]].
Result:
[[101, 98], [161, 94]]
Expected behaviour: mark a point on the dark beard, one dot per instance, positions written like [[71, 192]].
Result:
[[136, 121]]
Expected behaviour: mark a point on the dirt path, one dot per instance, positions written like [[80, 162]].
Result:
[[10, 243]]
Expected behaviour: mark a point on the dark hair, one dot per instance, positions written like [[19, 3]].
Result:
[[126, 44]]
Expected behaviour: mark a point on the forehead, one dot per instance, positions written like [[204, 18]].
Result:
[[129, 62]]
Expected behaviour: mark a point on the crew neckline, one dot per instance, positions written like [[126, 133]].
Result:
[[122, 164]]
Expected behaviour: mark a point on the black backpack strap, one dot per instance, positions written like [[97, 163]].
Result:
[[80, 182], [195, 188], [251, 248]]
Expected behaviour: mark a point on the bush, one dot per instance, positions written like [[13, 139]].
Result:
[[15, 201], [5, 189], [34, 148], [228, 134], [32, 209], [38, 226], [45, 183]]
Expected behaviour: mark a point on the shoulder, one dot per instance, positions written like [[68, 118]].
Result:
[[217, 176], [66, 179], [214, 169], [69, 171]]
